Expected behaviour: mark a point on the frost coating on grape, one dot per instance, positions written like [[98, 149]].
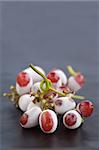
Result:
[[54, 120], [36, 87], [78, 121], [24, 101], [36, 77], [65, 104], [26, 89], [33, 115], [62, 75], [31, 105], [73, 85]]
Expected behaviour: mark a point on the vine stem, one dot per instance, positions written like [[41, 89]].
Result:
[[49, 84], [37, 71], [71, 70], [60, 93], [78, 97]]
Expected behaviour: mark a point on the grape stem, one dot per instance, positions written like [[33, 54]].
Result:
[[46, 84], [78, 97], [71, 71], [37, 71]]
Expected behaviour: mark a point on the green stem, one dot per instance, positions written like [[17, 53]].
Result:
[[47, 82], [7, 94], [37, 71], [71, 71], [78, 97], [60, 93]]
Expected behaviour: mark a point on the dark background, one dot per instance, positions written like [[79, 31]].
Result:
[[49, 34]]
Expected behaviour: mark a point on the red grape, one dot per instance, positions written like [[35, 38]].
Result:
[[53, 77], [24, 119], [80, 79], [70, 119], [23, 79], [85, 108], [47, 121]]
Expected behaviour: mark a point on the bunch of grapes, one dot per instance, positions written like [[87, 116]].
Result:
[[42, 97]]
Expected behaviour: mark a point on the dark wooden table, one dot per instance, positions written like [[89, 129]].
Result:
[[49, 34]]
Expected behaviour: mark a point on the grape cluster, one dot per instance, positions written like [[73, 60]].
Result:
[[42, 97]]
